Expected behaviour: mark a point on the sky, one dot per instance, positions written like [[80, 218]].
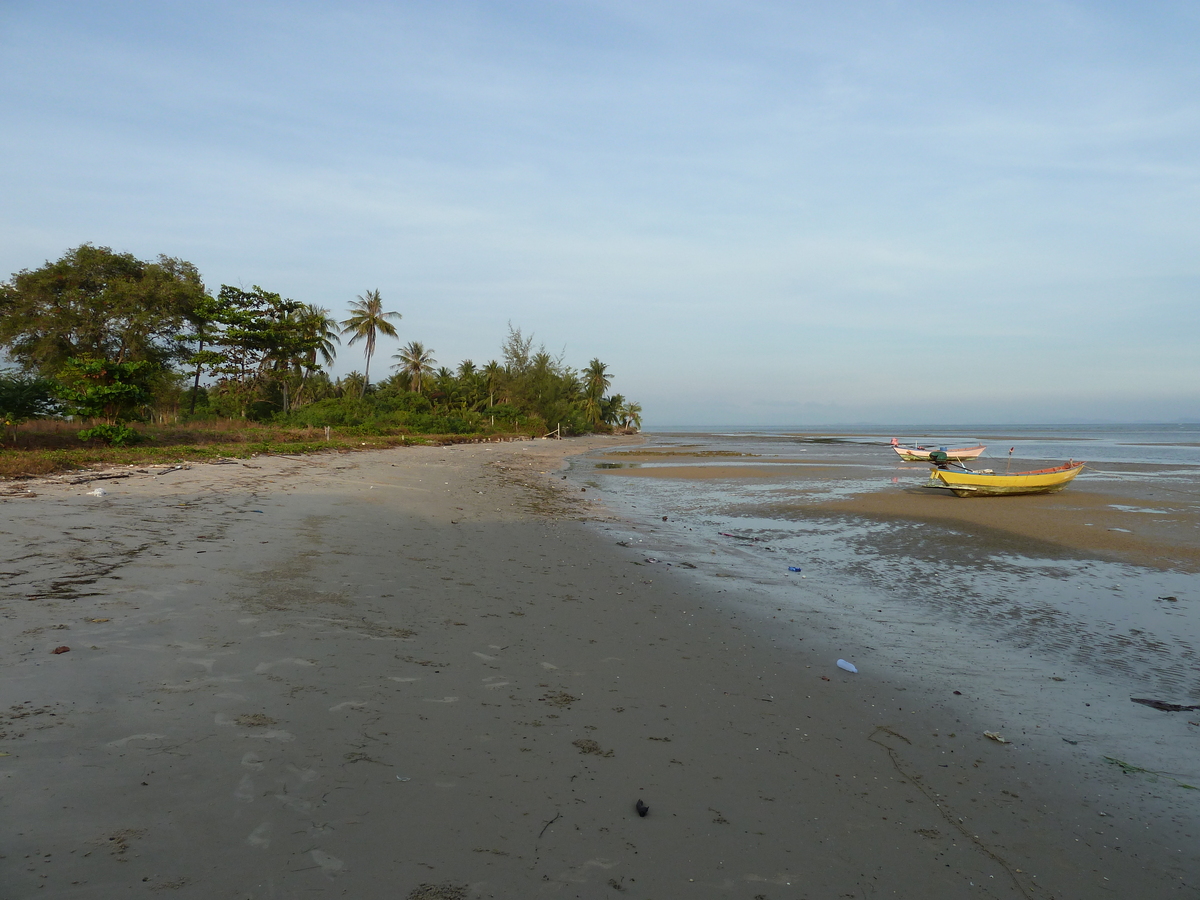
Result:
[[755, 213]]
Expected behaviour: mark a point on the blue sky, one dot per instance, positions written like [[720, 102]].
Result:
[[753, 212]]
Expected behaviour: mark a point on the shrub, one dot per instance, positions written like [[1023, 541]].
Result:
[[113, 435]]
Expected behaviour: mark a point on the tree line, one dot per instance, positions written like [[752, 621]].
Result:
[[106, 337]]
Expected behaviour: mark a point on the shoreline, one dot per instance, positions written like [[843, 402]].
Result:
[[1133, 522], [376, 671]]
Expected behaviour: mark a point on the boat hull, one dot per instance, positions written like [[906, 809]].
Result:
[[982, 484], [920, 454]]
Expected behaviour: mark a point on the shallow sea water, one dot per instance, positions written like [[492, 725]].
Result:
[[1051, 643]]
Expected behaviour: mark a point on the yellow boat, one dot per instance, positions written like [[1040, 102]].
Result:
[[991, 484]]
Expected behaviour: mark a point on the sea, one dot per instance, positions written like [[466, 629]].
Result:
[[1049, 644]]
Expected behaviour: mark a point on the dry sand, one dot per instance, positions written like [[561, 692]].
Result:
[[414, 674]]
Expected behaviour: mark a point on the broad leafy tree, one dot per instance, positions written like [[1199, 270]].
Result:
[[24, 397], [259, 338], [100, 389], [97, 304]]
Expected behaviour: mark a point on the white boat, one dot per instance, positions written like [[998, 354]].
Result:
[[921, 454]]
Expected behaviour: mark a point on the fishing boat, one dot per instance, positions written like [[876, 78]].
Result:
[[921, 454], [987, 483]]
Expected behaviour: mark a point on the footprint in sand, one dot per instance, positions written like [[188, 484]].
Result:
[[295, 804], [137, 737], [271, 735], [252, 760], [330, 865], [260, 836], [268, 666]]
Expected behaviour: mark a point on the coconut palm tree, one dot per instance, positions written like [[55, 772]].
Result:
[[610, 409], [368, 318], [416, 362], [318, 327], [317, 323], [631, 416], [350, 384], [493, 376], [596, 380]]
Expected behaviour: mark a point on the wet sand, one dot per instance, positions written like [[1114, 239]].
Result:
[[416, 674], [1133, 528], [1130, 521]]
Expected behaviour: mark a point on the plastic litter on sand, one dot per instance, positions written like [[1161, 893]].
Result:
[[849, 667]]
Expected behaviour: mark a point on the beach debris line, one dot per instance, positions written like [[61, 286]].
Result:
[[997, 737], [1130, 769], [848, 666], [741, 537], [1163, 705], [95, 476], [445, 891], [590, 746], [641, 808]]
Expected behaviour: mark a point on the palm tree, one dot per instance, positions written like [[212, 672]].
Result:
[[416, 362], [596, 381], [610, 409], [317, 326], [631, 416], [367, 318], [493, 375], [351, 384]]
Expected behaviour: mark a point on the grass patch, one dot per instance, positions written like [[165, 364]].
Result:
[[697, 454], [43, 448]]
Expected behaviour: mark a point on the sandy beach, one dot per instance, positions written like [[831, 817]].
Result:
[[424, 674]]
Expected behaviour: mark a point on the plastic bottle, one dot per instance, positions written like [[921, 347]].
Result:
[[849, 667]]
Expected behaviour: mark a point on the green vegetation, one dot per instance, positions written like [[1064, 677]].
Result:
[[129, 351], [53, 445]]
